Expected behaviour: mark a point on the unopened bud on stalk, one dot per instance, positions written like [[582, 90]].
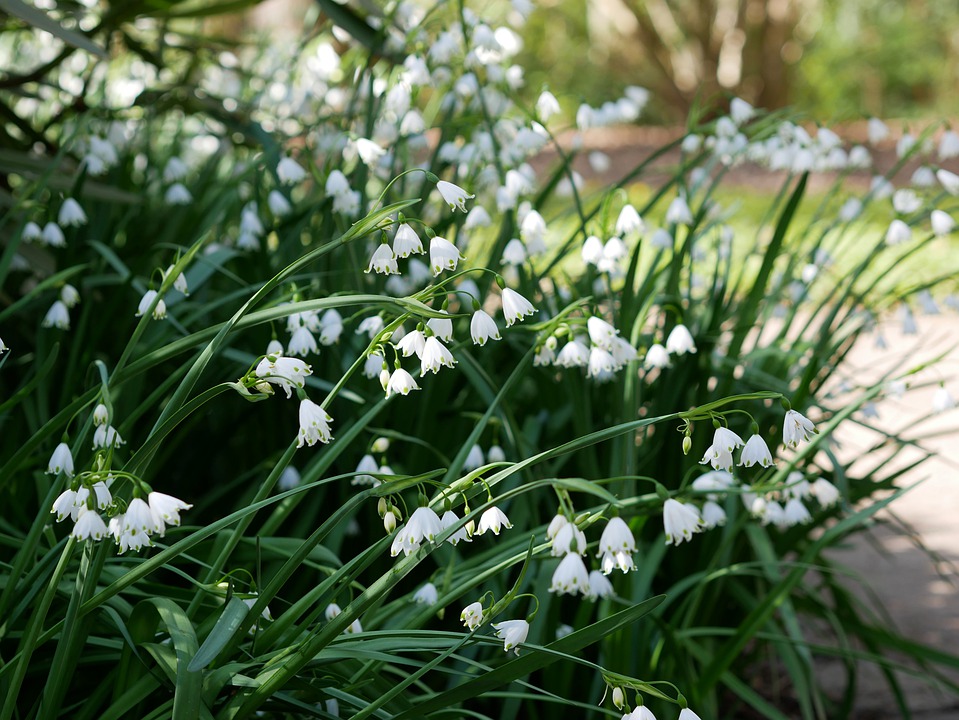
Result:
[[687, 444], [619, 698], [389, 523], [382, 507]]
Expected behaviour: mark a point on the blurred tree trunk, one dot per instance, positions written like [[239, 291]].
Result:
[[703, 48]]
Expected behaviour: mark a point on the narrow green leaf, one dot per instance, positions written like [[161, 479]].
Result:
[[226, 625]]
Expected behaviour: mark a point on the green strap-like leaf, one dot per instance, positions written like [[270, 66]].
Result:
[[143, 622], [226, 625]]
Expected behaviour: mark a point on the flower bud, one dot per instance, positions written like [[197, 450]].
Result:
[[687, 444], [381, 445], [619, 698], [389, 523], [382, 507]]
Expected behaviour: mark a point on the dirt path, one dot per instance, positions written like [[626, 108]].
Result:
[[920, 593]]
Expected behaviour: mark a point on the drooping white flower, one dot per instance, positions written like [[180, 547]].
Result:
[[601, 333], [177, 194], [454, 195], [756, 451], [57, 316], [898, 233], [289, 172], [906, 201], [424, 524], [314, 424], [401, 382], [413, 343], [287, 372], [53, 236], [278, 203], [31, 231], [515, 306], [482, 328], [771, 513], [622, 352], [106, 436], [494, 520], [568, 539], [513, 633], [656, 357], [369, 152], [796, 428], [406, 242], [65, 506], [680, 341], [474, 458], [367, 464], [877, 131], [139, 517], [602, 364], [546, 105], [61, 461], [948, 180], [592, 252], [435, 355], [570, 576], [619, 559], [302, 342], [719, 457], [687, 714], [826, 493], [616, 537], [942, 400], [545, 353], [175, 169], [713, 514], [289, 479], [472, 615], [726, 439], [678, 212], [71, 214], [599, 586], [558, 522], [796, 513], [371, 326], [442, 327], [426, 595], [167, 507], [159, 312], [680, 521], [89, 526], [942, 223], [574, 354], [740, 110], [449, 519], [443, 255], [383, 261], [629, 222], [514, 253], [101, 494]]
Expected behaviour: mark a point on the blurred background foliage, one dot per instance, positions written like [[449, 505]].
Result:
[[832, 60]]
